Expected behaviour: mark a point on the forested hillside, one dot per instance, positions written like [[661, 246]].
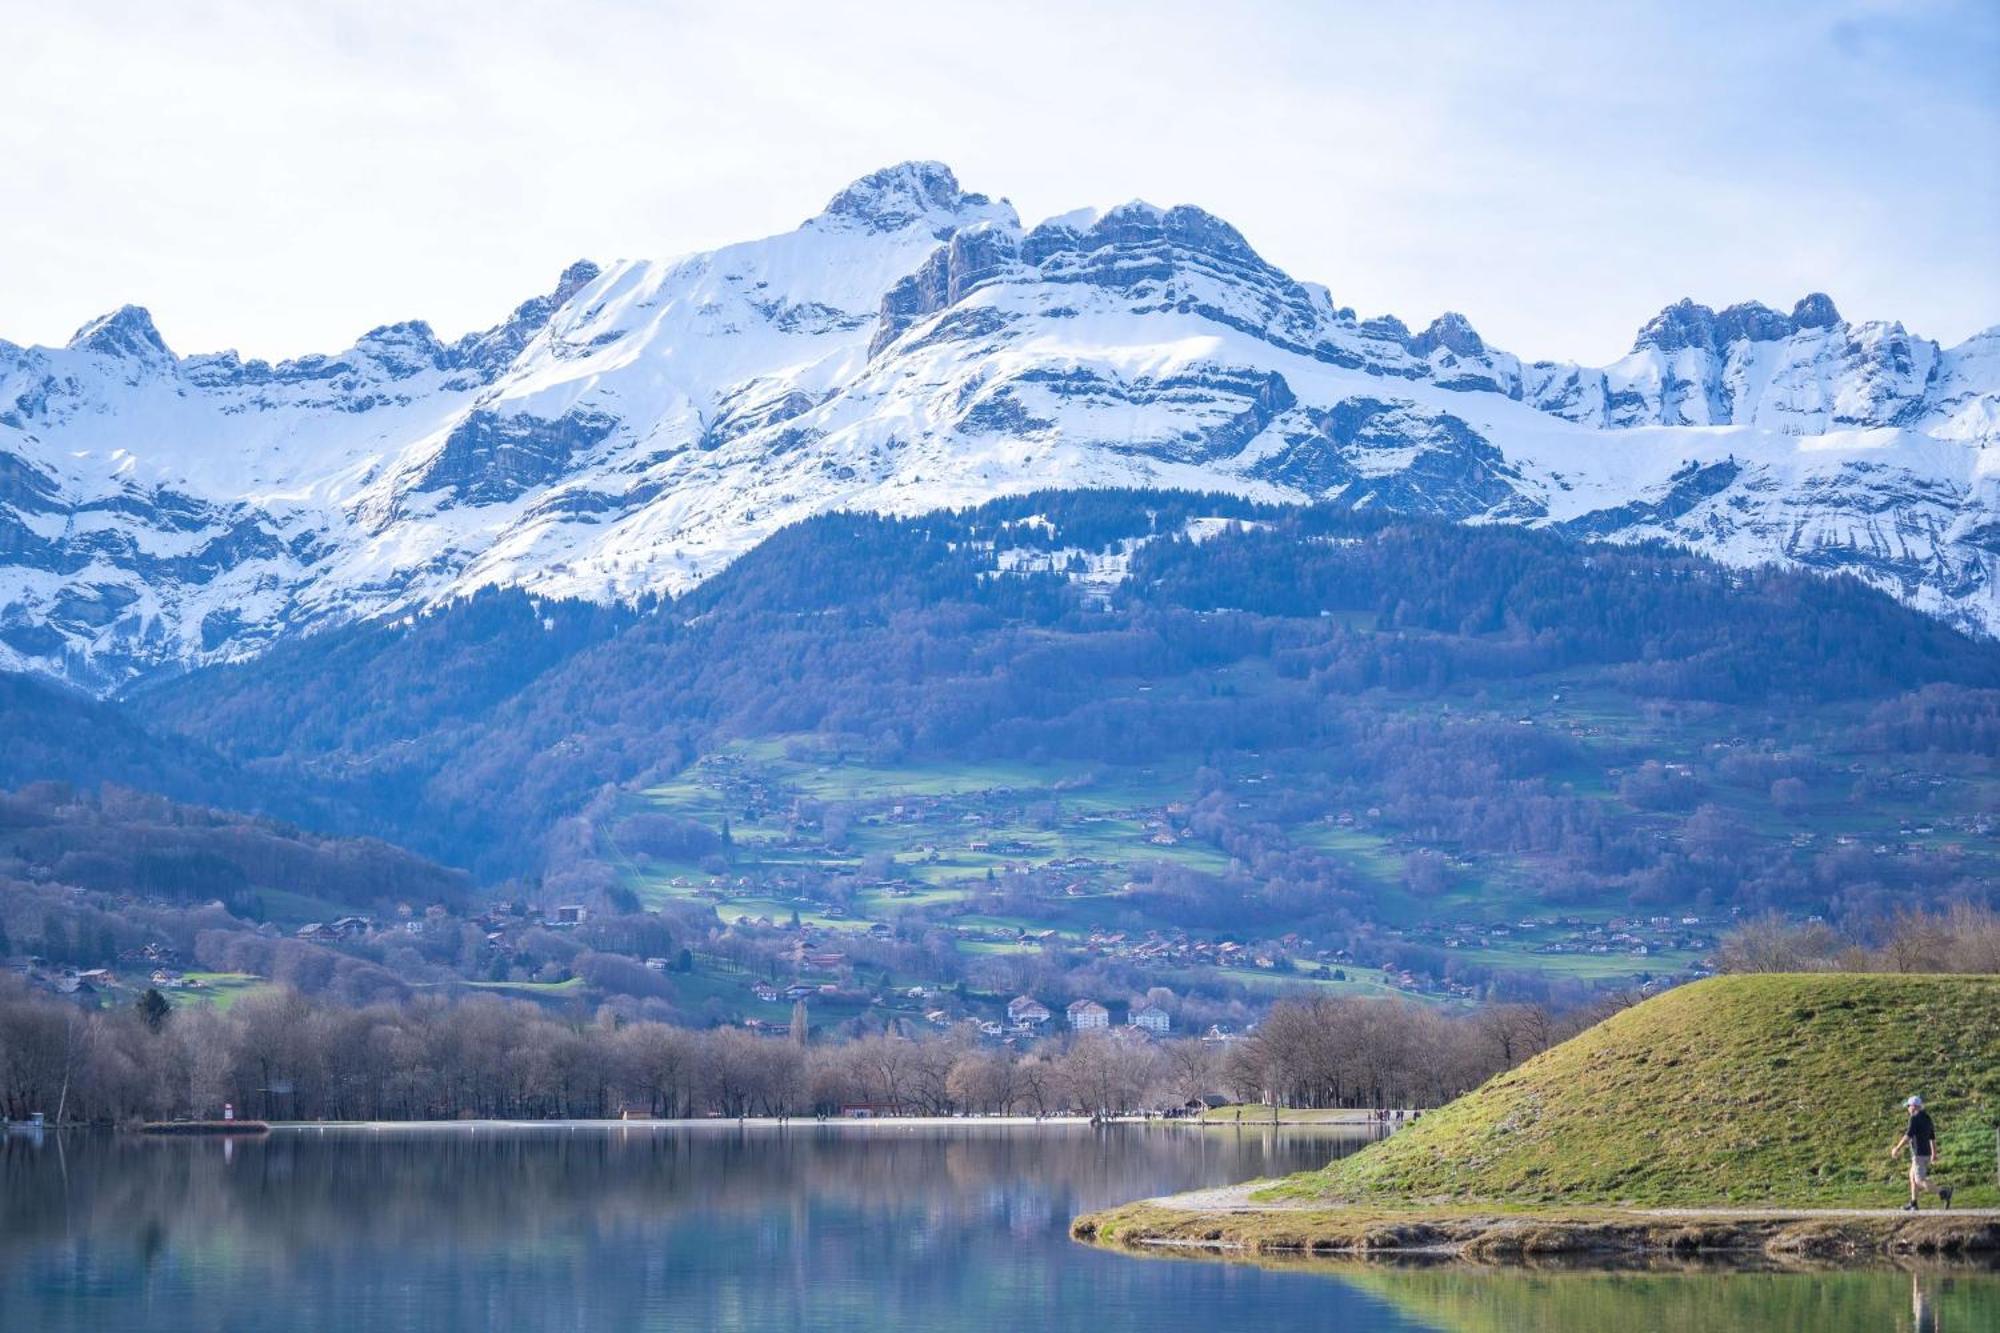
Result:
[[55, 734], [1392, 651], [134, 883], [1079, 741]]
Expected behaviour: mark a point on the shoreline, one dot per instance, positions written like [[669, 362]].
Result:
[[238, 1128], [1227, 1222], [809, 1122], [658, 1123]]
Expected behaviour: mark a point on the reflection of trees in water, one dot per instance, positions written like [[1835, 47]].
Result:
[[408, 1190], [838, 1227], [844, 1227]]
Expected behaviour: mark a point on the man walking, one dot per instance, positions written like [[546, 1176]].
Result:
[[1921, 1136]]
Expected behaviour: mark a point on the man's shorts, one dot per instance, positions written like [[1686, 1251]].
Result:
[[1920, 1168]]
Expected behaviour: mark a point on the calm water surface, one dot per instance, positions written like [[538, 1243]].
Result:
[[716, 1227]]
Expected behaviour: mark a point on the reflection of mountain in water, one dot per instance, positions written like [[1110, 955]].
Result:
[[839, 1228], [418, 1188], [312, 1191]]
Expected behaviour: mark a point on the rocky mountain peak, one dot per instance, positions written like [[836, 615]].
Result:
[[404, 348], [1752, 320], [1183, 224], [575, 278], [1815, 311], [901, 196], [1451, 331], [126, 332], [490, 351], [1686, 324], [1682, 324]]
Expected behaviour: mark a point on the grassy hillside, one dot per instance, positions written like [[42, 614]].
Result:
[[1737, 1090]]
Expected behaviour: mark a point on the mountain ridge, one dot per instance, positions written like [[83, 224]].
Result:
[[913, 346]]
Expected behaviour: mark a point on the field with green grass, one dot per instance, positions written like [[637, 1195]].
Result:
[[1359, 982], [936, 833], [220, 989], [1743, 1090], [287, 909], [528, 989], [931, 842]]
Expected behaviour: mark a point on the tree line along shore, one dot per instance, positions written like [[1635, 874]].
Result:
[[278, 1054]]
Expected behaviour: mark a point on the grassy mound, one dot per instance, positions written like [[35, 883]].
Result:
[[1781, 1090]]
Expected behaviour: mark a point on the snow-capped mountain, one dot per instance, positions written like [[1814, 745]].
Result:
[[914, 346]]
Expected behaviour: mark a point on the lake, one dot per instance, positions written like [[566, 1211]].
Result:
[[862, 1227]]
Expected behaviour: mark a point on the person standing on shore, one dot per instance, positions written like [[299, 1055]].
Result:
[[1921, 1137]]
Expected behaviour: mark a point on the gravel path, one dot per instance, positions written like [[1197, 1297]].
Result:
[[1228, 1198]]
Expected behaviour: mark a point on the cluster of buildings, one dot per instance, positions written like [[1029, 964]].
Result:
[[408, 920], [1026, 1014], [1680, 945], [85, 983], [333, 932], [1640, 937], [798, 990], [67, 980], [504, 926], [1167, 949]]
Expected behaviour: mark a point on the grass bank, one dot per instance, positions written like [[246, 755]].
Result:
[[1755, 1090], [1617, 1236], [1773, 1094]]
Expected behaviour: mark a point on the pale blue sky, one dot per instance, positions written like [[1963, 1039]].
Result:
[[279, 177]]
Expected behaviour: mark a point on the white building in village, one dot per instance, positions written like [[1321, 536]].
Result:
[[1085, 1015]]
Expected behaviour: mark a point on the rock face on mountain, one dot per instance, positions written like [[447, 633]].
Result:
[[914, 346]]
